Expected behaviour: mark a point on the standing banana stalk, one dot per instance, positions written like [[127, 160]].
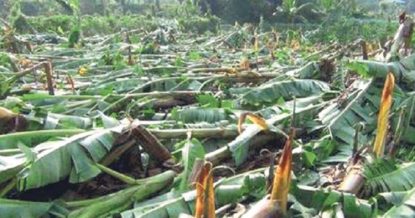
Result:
[[383, 119], [275, 205]]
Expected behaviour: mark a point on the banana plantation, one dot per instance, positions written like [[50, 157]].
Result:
[[207, 108]]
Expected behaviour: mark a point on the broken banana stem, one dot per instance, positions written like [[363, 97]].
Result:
[[261, 122], [275, 205], [354, 180], [151, 144], [265, 208]]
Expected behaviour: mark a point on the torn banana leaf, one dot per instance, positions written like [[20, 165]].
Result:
[[32, 138], [387, 176], [403, 70], [116, 202], [322, 199], [196, 115], [269, 94], [72, 157], [16, 208], [403, 208]]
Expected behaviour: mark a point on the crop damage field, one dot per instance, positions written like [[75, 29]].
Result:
[[168, 111]]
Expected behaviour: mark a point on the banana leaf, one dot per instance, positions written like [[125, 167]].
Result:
[[387, 176], [360, 107], [116, 202], [32, 138], [118, 86], [59, 121], [404, 208], [340, 121], [192, 150], [196, 115], [403, 70], [322, 199], [72, 157], [18, 209], [269, 94]]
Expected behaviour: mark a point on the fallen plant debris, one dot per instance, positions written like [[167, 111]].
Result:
[[207, 108]]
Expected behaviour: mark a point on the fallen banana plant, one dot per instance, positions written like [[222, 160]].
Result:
[[98, 135], [73, 157]]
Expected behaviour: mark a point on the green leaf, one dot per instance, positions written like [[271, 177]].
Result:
[[207, 101], [321, 199], [405, 208], [227, 191], [108, 122], [17, 209], [309, 157], [271, 93], [227, 104], [240, 145], [195, 115], [360, 68], [72, 157], [32, 138], [194, 56], [74, 36], [191, 151], [385, 176], [138, 70], [179, 62], [29, 154], [59, 121]]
